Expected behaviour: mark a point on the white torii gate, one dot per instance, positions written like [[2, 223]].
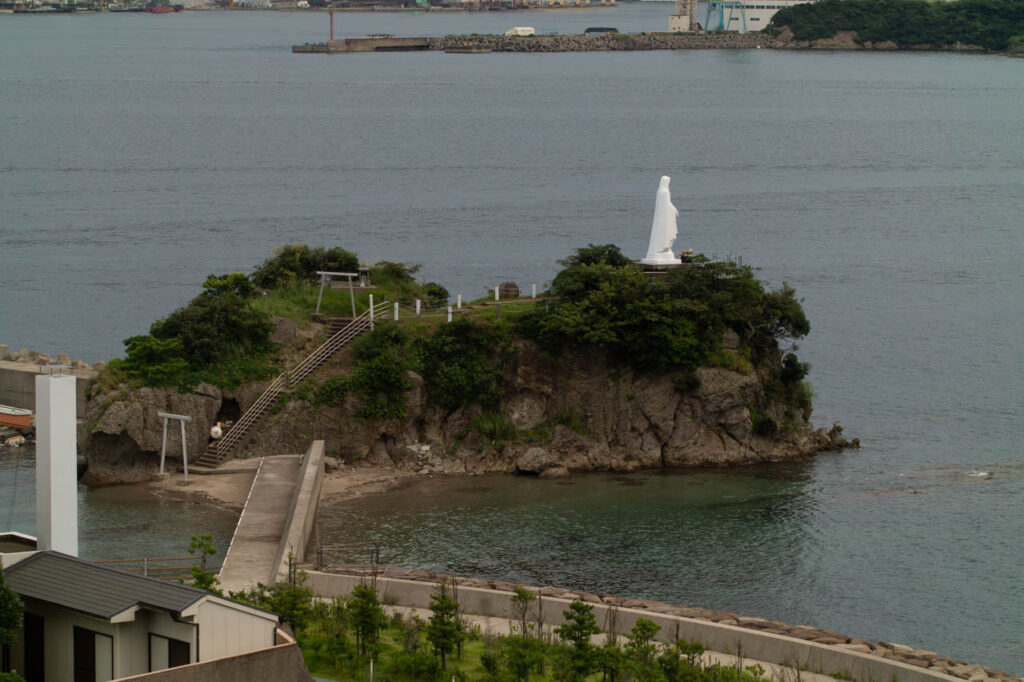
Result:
[[325, 276], [181, 419]]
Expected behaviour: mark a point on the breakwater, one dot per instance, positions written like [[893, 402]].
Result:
[[618, 42], [807, 647]]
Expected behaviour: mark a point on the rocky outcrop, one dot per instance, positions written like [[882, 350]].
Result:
[[570, 414]]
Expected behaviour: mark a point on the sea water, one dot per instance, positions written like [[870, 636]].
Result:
[[141, 153]]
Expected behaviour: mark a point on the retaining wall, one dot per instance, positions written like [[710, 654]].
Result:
[[753, 644], [282, 662], [18, 385], [302, 515]]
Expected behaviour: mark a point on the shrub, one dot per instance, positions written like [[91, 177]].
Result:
[[763, 423], [295, 264], [495, 427], [461, 363], [686, 383]]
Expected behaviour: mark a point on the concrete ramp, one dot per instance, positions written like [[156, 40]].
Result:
[[278, 518]]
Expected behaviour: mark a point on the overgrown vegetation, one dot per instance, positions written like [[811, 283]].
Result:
[[600, 304], [992, 24], [340, 637]]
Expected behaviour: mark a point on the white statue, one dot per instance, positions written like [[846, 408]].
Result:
[[663, 229]]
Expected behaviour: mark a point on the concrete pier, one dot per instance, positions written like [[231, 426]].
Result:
[[277, 519]]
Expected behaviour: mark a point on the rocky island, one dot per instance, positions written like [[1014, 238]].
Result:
[[611, 369]]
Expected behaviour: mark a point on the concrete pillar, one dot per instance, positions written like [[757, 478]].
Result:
[[417, 306], [56, 464], [396, 312], [533, 290], [458, 301], [449, 313], [496, 290]]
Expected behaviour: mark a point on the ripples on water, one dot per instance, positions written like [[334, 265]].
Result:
[[142, 153]]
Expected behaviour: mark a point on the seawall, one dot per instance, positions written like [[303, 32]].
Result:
[[18, 378], [793, 646]]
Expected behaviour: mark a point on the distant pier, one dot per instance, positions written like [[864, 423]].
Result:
[[473, 44]]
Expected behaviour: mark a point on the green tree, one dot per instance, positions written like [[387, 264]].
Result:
[[641, 649], [444, 629], [291, 599], [576, 632], [523, 654], [11, 610], [521, 601], [612, 661], [596, 254], [203, 577], [367, 618], [297, 264]]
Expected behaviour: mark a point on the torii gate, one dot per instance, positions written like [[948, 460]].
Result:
[[326, 276]]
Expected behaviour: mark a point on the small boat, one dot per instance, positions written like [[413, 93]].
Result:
[[15, 416], [156, 8]]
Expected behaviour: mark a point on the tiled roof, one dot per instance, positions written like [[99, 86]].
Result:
[[94, 590]]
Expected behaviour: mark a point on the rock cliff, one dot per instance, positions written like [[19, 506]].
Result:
[[575, 413]]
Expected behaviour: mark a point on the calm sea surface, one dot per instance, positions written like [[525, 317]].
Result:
[[140, 153]]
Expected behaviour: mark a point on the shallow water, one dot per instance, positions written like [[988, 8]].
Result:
[[141, 153], [117, 522]]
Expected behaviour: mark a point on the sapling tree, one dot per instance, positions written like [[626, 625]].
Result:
[[521, 601], [523, 654], [641, 648], [203, 577], [576, 631], [444, 630], [11, 610], [367, 618]]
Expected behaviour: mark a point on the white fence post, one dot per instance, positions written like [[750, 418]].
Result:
[[458, 301], [449, 313], [396, 311], [533, 290], [496, 289], [371, 311], [417, 306]]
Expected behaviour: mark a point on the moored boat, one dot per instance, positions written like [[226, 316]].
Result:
[[156, 8], [15, 416]]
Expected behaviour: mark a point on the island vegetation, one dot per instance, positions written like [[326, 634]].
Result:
[[599, 303], [990, 24]]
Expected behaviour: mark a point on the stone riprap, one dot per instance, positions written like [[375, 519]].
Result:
[[603, 43], [928, 660], [32, 357]]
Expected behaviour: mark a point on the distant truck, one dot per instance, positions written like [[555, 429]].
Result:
[[521, 31]]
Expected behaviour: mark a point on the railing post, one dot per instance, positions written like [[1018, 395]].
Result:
[[417, 306], [533, 290], [449, 313], [371, 311], [396, 312], [496, 290], [458, 301]]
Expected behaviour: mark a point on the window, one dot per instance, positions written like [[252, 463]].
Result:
[[165, 652], [94, 656]]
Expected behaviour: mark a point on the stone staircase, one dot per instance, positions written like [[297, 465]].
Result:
[[235, 437]]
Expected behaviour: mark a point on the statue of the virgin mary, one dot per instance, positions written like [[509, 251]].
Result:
[[663, 228]]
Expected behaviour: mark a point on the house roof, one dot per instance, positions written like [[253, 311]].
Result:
[[93, 590]]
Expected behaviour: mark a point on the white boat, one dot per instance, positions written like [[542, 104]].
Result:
[[744, 16]]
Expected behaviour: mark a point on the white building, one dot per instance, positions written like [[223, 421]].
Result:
[[88, 622]]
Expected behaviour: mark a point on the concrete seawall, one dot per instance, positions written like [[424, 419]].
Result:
[[302, 516], [794, 649], [18, 384]]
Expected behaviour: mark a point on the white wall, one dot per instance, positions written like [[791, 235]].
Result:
[[225, 630]]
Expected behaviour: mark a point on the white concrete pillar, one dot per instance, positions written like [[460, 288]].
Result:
[[449, 313], [417, 306], [458, 301], [496, 289], [56, 464], [533, 290], [396, 312]]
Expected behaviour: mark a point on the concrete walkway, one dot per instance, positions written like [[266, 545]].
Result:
[[253, 551]]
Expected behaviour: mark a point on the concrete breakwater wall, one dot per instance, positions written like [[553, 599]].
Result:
[[602, 43], [18, 373], [800, 646]]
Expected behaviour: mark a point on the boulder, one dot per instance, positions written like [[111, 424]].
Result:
[[535, 461], [555, 472], [508, 290]]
